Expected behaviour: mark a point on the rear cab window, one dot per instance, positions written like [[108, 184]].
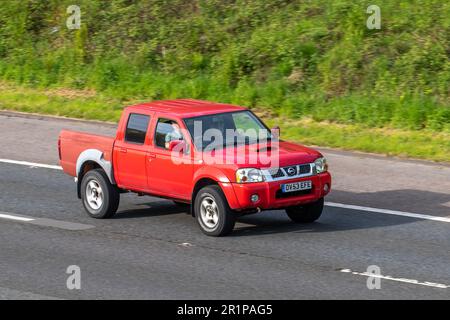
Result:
[[137, 127]]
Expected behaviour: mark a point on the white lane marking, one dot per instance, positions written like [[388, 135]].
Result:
[[405, 280], [330, 204], [31, 164], [66, 225], [14, 217], [386, 211]]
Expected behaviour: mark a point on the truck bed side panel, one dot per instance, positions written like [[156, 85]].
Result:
[[73, 143]]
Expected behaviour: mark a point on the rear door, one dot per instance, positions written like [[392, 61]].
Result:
[[130, 152]]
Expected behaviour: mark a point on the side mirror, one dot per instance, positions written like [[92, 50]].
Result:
[[177, 146], [276, 132]]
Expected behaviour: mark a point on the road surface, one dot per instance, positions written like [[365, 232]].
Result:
[[384, 212]]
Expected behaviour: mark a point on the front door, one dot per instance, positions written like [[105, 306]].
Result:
[[169, 172]]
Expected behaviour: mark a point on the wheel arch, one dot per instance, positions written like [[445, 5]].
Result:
[[89, 160], [199, 184], [225, 187]]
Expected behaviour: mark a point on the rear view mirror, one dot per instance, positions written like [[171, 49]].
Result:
[[177, 146]]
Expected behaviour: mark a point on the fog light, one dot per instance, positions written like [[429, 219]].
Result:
[[254, 198], [326, 188]]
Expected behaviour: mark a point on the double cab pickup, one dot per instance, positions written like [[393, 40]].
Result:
[[220, 161]]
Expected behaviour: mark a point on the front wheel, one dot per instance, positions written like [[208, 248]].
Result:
[[212, 212], [100, 198], [306, 213]]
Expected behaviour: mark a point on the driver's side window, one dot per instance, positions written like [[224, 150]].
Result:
[[166, 131]]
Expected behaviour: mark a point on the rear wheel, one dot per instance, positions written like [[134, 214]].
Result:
[[212, 212], [306, 213], [100, 198]]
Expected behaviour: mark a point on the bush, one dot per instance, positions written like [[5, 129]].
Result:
[[298, 58]]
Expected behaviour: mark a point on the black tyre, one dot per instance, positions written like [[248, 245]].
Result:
[[306, 213], [212, 212], [100, 198]]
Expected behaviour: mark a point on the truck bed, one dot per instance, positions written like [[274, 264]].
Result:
[[73, 143]]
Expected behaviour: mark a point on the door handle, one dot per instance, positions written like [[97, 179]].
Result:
[[123, 150], [151, 155]]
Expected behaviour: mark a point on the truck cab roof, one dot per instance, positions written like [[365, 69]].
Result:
[[186, 108]]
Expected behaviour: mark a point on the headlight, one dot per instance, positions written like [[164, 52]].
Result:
[[321, 165], [249, 175]]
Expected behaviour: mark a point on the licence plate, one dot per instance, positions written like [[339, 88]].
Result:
[[296, 186]]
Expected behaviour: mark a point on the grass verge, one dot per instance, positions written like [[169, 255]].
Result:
[[423, 144]]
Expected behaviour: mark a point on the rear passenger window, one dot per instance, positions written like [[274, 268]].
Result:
[[137, 128]]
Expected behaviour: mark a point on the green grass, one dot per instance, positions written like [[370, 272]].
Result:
[[313, 59], [424, 144], [307, 62], [60, 103]]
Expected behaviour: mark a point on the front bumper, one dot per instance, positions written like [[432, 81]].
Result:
[[270, 195]]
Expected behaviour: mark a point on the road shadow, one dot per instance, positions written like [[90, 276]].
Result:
[[338, 219], [153, 208], [332, 220]]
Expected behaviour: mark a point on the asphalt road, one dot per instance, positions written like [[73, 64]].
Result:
[[152, 250]]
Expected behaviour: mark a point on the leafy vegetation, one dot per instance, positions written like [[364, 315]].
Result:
[[420, 144], [300, 59]]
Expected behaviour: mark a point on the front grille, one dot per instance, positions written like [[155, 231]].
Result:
[[301, 170], [304, 168], [280, 194], [277, 174]]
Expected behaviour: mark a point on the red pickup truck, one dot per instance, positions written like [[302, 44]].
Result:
[[200, 154]]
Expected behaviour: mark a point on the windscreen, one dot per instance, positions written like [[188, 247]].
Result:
[[226, 129]]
